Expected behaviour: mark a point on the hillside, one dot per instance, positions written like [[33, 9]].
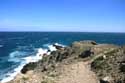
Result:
[[81, 62]]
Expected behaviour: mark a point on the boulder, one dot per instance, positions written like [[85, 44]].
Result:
[[86, 53], [58, 47], [28, 67]]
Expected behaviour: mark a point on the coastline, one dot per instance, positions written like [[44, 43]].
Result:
[[87, 53], [30, 59]]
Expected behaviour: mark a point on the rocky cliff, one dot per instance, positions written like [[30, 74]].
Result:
[[105, 60]]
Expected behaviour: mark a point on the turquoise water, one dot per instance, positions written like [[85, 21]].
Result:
[[17, 45]]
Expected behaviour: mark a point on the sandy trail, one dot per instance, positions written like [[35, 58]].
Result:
[[77, 73]]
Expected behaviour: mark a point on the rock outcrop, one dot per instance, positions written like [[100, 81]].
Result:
[[106, 60], [110, 66]]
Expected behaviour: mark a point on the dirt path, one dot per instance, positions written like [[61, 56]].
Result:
[[77, 73]]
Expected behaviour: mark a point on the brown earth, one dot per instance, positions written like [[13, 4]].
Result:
[[78, 63], [78, 72]]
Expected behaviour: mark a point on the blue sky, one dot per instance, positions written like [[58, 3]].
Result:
[[62, 15]]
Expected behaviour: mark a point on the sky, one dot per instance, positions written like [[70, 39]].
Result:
[[62, 15]]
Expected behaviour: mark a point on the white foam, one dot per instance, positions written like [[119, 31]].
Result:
[[59, 44], [38, 56], [26, 60], [11, 76], [14, 60], [52, 48], [1, 46], [15, 56]]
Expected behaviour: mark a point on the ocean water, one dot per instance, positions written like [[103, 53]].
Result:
[[19, 48]]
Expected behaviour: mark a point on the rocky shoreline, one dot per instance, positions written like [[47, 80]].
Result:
[[105, 62]]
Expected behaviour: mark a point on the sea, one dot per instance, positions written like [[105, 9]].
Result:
[[20, 48]]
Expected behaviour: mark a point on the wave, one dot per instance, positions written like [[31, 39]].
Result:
[[13, 38], [1, 46], [10, 76], [16, 56], [53, 48]]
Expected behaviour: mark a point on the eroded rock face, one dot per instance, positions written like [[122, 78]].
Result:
[[112, 66], [78, 49], [86, 42], [28, 67], [86, 53], [58, 47], [107, 60]]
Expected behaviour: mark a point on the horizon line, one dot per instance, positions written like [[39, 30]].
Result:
[[68, 31]]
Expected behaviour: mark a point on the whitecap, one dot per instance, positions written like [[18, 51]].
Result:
[[14, 60], [25, 60], [1, 46], [52, 48], [59, 45], [15, 56], [38, 56], [10, 76]]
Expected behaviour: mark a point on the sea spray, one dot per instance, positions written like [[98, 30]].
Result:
[[25, 60]]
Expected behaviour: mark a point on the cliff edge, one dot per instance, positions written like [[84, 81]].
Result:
[[81, 62]]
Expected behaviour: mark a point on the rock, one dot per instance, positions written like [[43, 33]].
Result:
[[102, 81], [60, 55], [104, 56], [88, 42], [122, 67], [28, 67], [86, 53], [106, 79], [112, 65], [58, 47], [83, 43], [107, 60]]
